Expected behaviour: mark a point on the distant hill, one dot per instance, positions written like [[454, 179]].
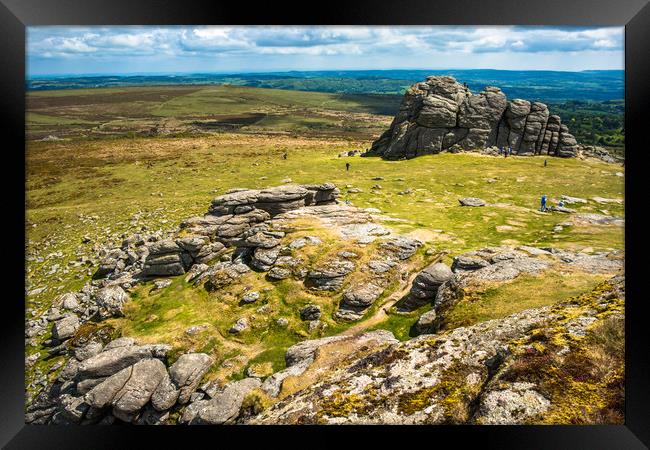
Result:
[[546, 86]]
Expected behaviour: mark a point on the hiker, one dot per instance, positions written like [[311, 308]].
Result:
[[543, 208], [284, 156], [347, 166], [500, 150], [510, 150], [561, 204], [545, 162]]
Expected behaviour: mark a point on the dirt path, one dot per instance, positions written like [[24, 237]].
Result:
[[381, 313]]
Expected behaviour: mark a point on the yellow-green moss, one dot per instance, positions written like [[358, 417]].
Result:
[[342, 405], [452, 393]]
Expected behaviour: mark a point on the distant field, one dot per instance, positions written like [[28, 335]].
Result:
[[546, 86], [164, 110]]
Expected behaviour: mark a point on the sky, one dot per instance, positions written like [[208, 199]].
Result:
[[58, 50]]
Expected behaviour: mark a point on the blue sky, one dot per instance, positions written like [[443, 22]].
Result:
[[152, 49]]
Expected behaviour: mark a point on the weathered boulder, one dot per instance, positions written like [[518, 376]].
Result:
[[164, 259], [223, 274], [279, 273], [128, 390], [427, 322], [195, 272], [114, 261], [67, 301], [223, 408], [511, 405], [187, 371], [110, 301], [400, 247], [88, 350], [165, 395], [239, 326], [427, 282], [471, 201], [361, 296], [571, 200], [263, 239], [114, 359], [468, 263], [561, 209], [310, 312], [356, 300], [264, 258], [251, 297], [440, 114], [65, 327], [303, 241]]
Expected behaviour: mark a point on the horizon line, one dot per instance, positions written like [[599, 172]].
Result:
[[137, 73]]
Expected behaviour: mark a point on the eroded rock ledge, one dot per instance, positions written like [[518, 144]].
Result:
[[441, 114]]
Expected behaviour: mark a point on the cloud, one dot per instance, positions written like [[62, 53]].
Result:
[[223, 43]]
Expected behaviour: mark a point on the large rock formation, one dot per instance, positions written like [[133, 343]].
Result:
[[441, 114]]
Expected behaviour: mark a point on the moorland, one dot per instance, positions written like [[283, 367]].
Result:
[[105, 163]]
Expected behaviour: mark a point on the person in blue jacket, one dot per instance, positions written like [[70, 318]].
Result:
[[543, 208]]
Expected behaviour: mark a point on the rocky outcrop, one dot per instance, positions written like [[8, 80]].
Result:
[[493, 372], [274, 200], [120, 380], [237, 219], [440, 114], [591, 151]]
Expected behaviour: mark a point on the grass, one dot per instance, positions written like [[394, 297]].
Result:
[[525, 292]]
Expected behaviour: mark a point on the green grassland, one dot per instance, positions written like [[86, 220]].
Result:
[[108, 188], [98, 113]]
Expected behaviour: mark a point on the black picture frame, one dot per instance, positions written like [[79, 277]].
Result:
[[16, 15]]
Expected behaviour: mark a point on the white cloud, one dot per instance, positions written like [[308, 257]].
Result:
[[435, 43]]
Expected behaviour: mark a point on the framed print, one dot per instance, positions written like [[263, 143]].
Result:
[[397, 218]]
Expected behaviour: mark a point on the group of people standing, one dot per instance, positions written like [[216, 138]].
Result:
[[505, 152]]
